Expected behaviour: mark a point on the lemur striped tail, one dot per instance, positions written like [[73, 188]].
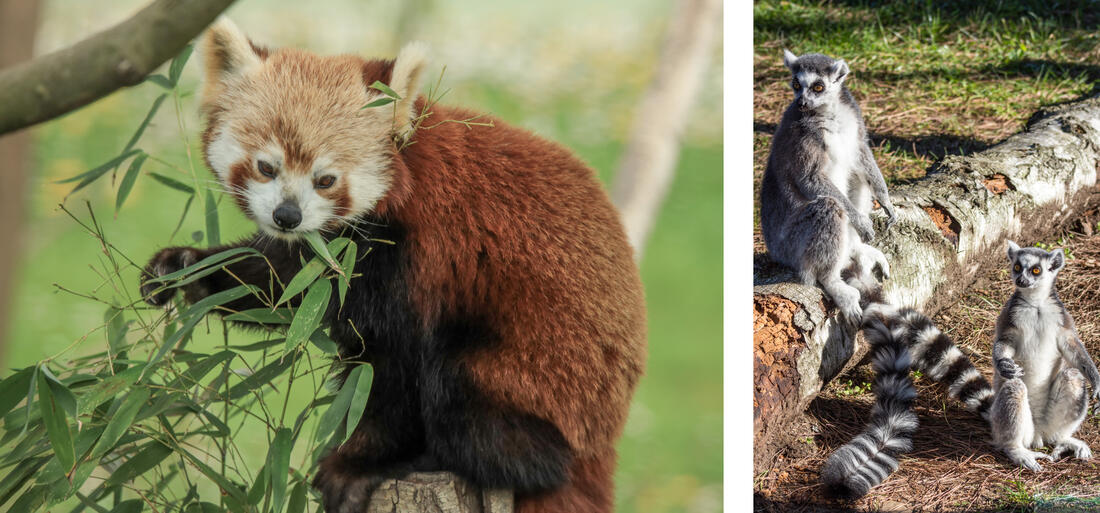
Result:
[[937, 356], [871, 456], [933, 352]]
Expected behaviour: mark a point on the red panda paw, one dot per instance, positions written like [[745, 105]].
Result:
[[345, 492], [165, 262]]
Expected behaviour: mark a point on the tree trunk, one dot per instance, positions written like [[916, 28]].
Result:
[[649, 161], [952, 226], [437, 492], [18, 24]]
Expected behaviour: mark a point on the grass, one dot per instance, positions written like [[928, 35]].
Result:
[[670, 454], [933, 78]]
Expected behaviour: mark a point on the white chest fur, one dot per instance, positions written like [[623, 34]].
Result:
[[842, 143], [1037, 352]]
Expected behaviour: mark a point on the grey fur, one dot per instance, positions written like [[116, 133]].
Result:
[[1041, 366], [815, 198]]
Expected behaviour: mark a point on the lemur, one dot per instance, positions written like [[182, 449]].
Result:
[[506, 322], [1040, 364], [815, 201]]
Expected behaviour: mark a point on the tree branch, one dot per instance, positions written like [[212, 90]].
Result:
[[49, 86]]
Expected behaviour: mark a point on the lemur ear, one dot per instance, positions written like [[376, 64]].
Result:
[[1057, 259], [840, 70], [789, 58], [226, 53], [405, 81], [1012, 249]]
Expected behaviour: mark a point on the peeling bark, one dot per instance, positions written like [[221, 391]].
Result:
[[952, 225], [437, 492]]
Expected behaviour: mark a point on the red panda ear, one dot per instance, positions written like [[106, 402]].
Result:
[[226, 53], [405, 81]]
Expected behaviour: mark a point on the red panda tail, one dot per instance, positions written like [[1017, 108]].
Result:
[[590, 489]]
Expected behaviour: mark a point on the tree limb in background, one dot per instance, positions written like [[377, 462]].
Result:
[[49, 86], [18, 23], [649, 162]]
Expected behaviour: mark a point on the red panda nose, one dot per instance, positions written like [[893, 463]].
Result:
[[287, 215]]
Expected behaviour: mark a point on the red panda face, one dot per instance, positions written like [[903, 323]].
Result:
[[287, 135]]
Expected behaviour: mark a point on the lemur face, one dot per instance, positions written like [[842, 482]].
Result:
[[816, 79], [1034, 267]]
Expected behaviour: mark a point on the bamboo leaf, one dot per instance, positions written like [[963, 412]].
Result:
[[213, 229], [14, 389], [130, 506], [324, 343], [128, 179], [297, 499], [202, 507], [385, 89], [278, 466], [117, 326], [321, 249], [379, 102], [102, 168], [160, 80], [209, 262], [57, 427], [263, 316], [145, 122], [175, 69], [194, 314], [261, 377], [333, 416], [120, 422], [90, 176], [259, 486], [309, 314], [172, 182], [303, 279], [347, 263], [148, 457], [61, 393], [359, 398]]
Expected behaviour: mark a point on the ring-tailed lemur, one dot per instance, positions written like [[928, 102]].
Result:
[[1040, 365], [815, 201], [818, 185]]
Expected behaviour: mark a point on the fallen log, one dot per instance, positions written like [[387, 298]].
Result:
[[952, 225]]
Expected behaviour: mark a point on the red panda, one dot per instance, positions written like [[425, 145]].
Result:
[[506, 325]]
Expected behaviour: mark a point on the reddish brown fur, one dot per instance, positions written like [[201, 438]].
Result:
[[532, 243]]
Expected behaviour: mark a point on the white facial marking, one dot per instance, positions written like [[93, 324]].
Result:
[[223, 152]]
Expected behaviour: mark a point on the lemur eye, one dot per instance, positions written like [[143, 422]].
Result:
[[796, 85], [1036, 270], [325, 181], [265, 169], [818, 88], [1016, 268]]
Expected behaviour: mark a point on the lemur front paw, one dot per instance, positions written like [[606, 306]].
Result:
[[891, 214], [1008, 369], [864, 228], [165, 262], [1079, 449], [342, 492]]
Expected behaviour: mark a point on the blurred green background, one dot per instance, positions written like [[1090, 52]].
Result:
[[570, 70]]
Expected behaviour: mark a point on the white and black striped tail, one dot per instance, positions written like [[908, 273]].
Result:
[[939, 358], [871, 456]]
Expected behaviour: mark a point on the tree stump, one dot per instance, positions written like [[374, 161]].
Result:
[[952, 225], [437, 492]]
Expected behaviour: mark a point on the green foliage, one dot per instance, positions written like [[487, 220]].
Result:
[[151, 421]]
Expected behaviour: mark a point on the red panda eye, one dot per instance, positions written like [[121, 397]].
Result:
[[326, 181], [265, 169]]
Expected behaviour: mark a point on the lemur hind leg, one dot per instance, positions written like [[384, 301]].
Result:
[[1013, 426], [823, 226], [869, 257], [1066, 409]]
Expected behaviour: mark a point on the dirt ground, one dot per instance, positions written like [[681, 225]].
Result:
[[952, 467]]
